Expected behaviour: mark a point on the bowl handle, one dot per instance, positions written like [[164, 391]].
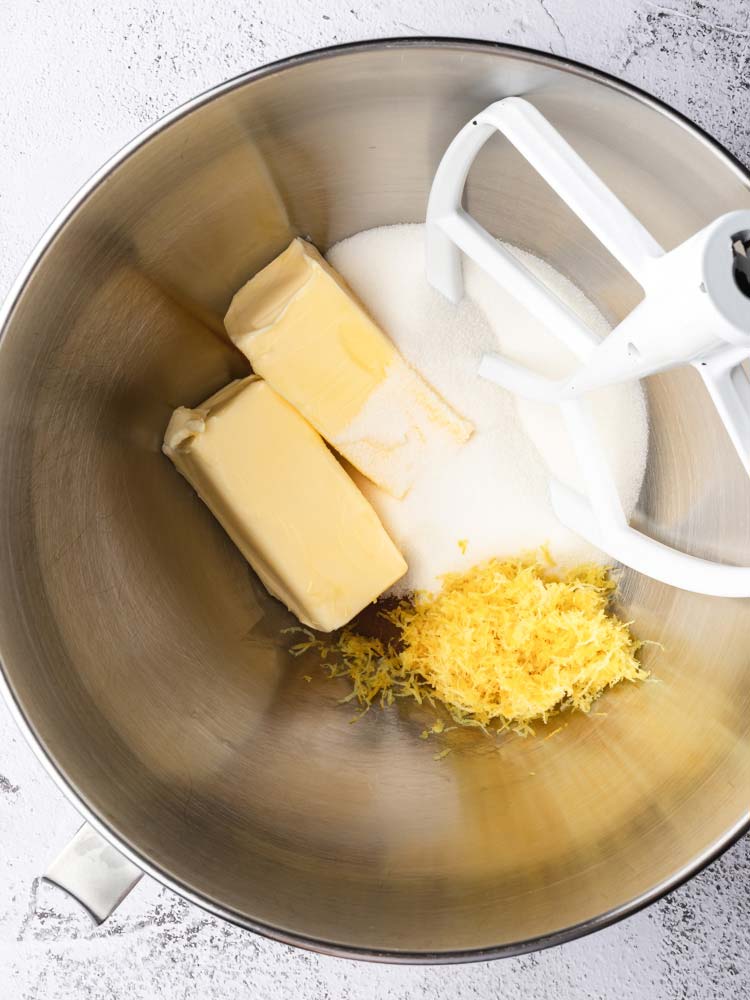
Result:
[[94, 873]]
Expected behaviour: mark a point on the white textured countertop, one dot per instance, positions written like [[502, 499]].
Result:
[[77, 80]]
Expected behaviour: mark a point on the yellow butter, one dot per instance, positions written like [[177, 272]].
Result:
[[286, 502], [305, 333]]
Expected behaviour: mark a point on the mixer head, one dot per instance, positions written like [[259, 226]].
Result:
[[695, 311]]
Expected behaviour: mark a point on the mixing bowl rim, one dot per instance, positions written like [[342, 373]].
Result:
[[76, 796]]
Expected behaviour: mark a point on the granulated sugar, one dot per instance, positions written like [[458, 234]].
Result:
[[491, 493]]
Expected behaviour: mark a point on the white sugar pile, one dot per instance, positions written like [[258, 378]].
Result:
[[493, 491]]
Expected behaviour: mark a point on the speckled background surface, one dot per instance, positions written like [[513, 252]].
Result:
[[77, 80]]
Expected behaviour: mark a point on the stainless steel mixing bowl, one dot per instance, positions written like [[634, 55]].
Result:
[[146, 661]]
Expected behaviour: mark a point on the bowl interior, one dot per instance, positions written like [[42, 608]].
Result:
[[148, 660]]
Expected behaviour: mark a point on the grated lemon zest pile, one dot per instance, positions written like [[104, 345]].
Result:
[[501, 645]]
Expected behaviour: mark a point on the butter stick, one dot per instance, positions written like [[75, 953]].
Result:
[[286, 502], [305, 333]]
